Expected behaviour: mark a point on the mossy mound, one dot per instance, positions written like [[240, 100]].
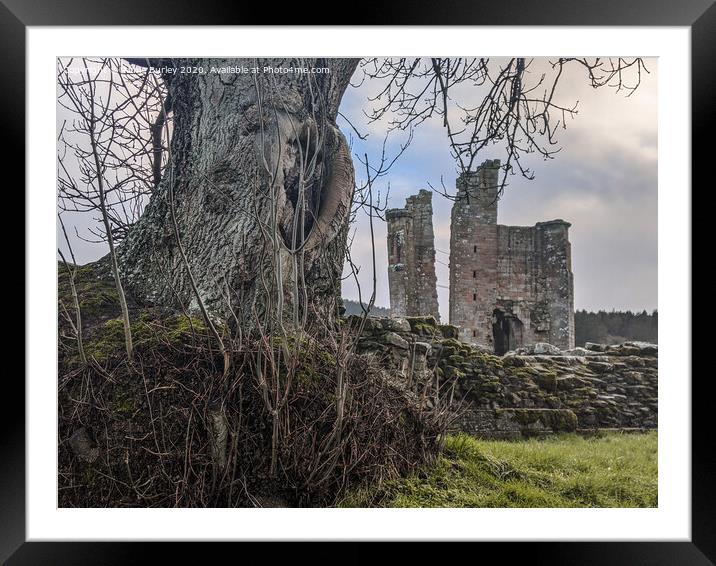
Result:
[[150, 331], [176, 426], [102, 327], [96, 292]]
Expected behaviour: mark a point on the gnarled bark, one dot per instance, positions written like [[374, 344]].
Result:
[[237, 150]]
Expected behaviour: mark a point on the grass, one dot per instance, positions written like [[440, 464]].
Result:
[[610, 470]]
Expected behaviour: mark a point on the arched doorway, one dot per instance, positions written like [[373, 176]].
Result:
[[506, 331]]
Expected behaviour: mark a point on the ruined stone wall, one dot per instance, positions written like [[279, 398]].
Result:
[[399, 260], [411, 258], [473, 253], [535, 390], [556, 282], [509, 285]]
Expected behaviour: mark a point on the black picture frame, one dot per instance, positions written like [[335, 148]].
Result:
[[699, 15]]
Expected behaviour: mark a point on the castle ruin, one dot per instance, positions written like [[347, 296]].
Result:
[[411, 258], [510, 286]]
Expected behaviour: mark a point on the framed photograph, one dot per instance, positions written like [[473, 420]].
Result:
[[365, 283]]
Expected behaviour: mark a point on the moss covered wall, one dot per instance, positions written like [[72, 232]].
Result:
[[604, 387]]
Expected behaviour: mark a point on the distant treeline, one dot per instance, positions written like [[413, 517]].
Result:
[[615, 327], [603, 327], [353, 307]]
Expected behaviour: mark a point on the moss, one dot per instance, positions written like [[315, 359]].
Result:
[[124, 406], [307, 376], [451, 347], [603, 412], [563, 421], [523, 373], [424, 329], [451, 372], [97, 296], [448, 330], [327, 358], [179, 327], [423, 325], [485, 360], [314, 362], [513, 361], [557, 420], [553, 402], [107, 340], [547, 380], [452, 343], [490, 387]]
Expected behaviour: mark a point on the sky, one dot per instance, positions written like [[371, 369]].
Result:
[[603, 181]]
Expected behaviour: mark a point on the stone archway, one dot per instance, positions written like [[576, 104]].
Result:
[[506, 331]]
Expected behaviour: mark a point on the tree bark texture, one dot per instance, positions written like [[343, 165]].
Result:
[[238, 171]]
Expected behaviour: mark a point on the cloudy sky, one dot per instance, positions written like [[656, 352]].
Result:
[[603, 181]]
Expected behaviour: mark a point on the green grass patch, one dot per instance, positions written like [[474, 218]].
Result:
[[567, 470]]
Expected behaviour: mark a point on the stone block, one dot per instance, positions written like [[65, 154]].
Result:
[[393, 339]]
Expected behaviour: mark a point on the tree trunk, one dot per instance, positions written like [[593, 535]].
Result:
[[261, 180]]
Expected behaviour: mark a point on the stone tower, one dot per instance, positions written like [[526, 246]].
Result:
[[411, 258], [510, 286]]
